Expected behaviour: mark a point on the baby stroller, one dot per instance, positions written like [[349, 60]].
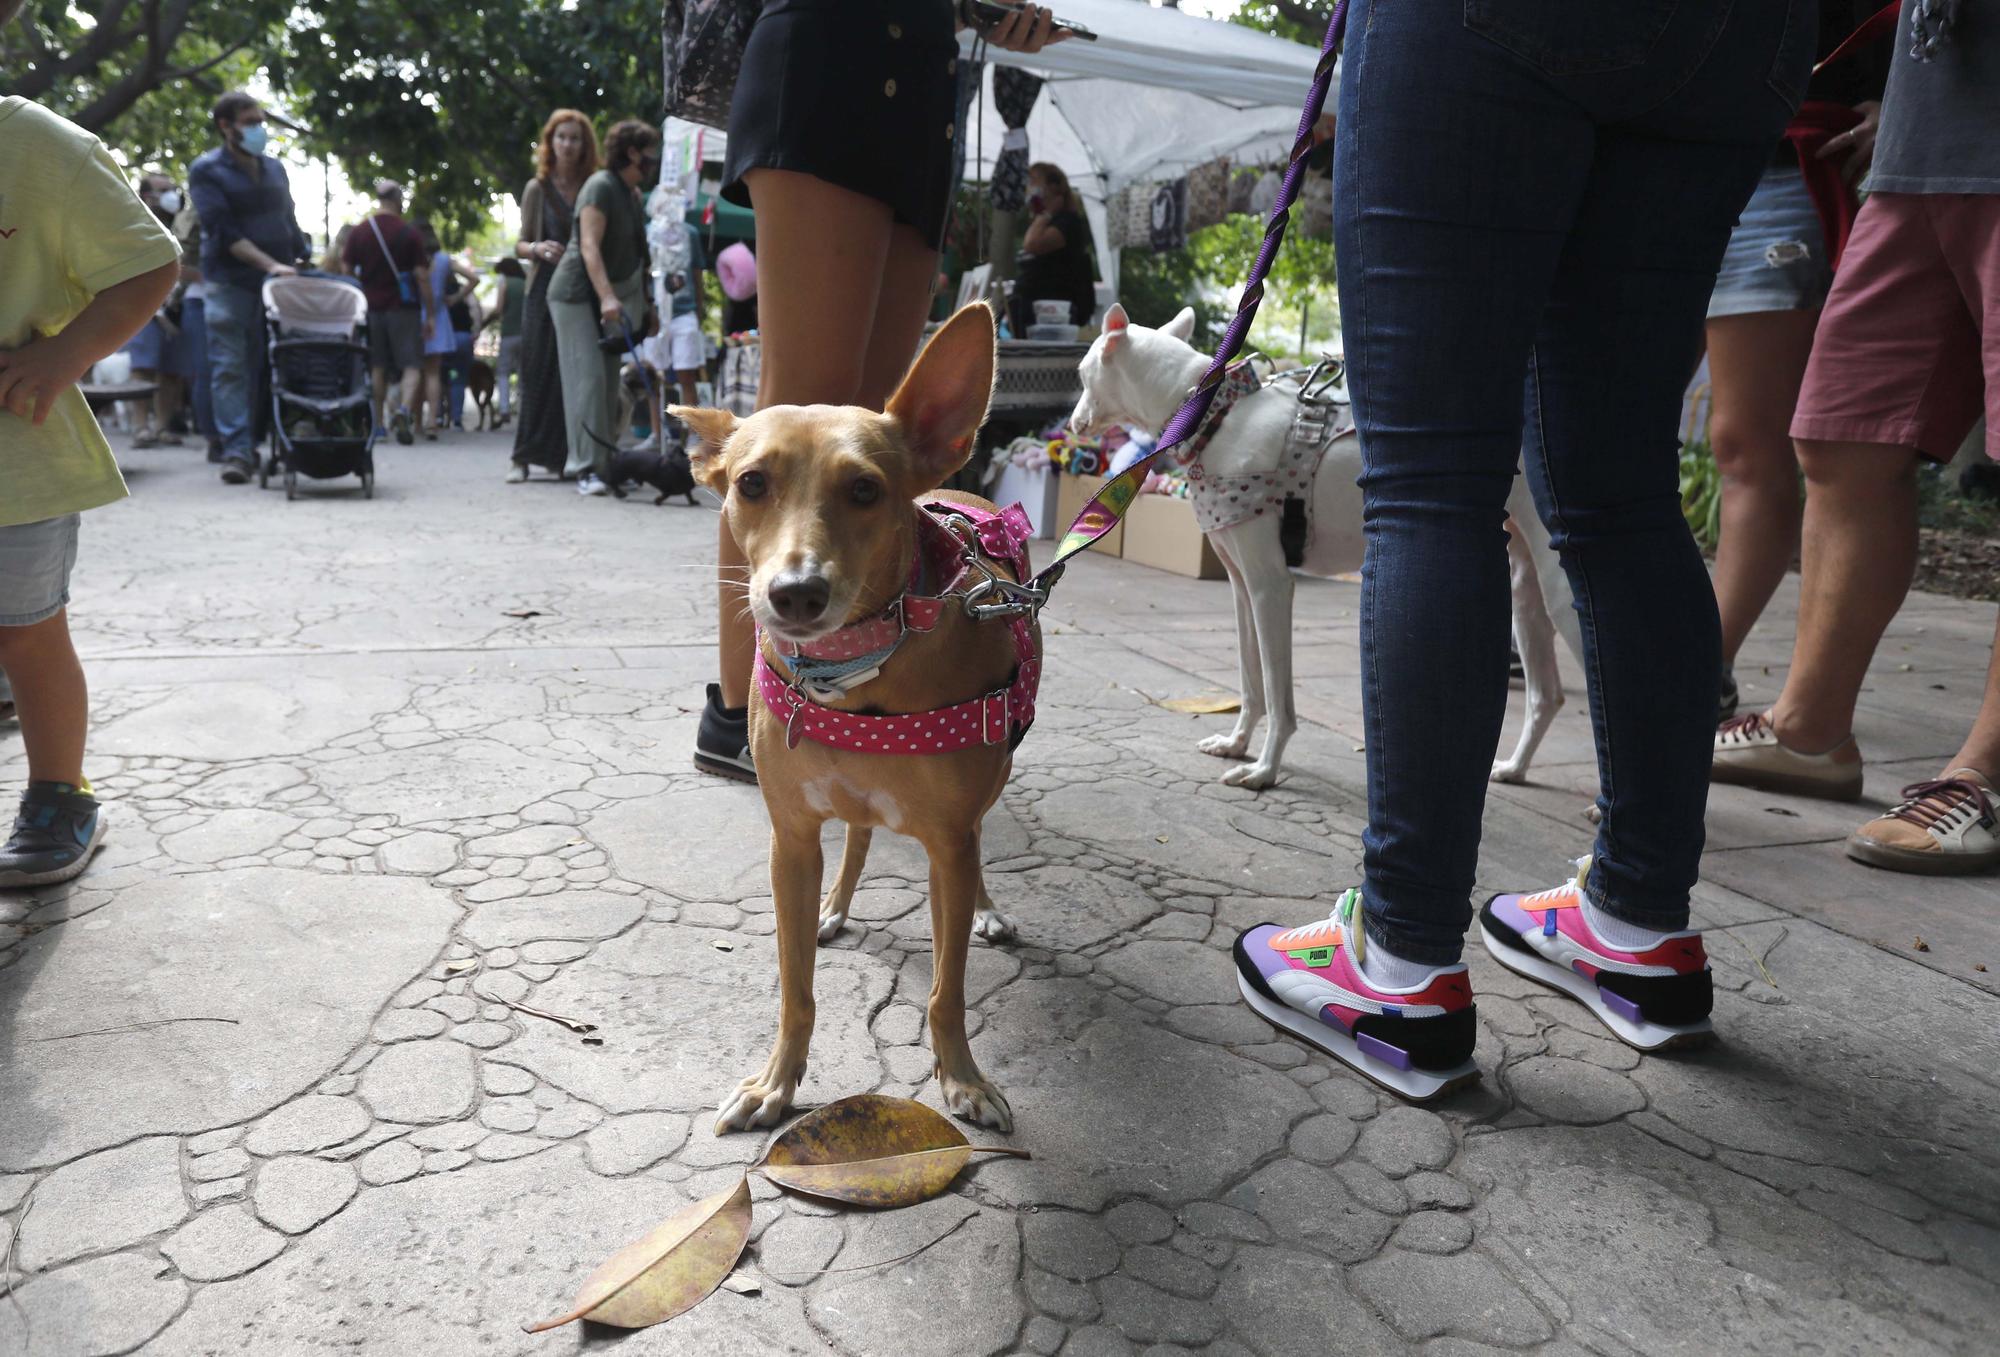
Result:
[[321, 421]]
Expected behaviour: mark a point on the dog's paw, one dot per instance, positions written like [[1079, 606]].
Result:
[[755, 1103], [978, 1102], [830, 925], [1225, 746], [1506, 770], [993, 926], [1255, 776]]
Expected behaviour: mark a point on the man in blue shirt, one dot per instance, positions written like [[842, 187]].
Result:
[[250, 232]]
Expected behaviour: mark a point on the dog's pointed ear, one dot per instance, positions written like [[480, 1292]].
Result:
[[943, 400], [1116, 327], [1181, 327], [712, 429]]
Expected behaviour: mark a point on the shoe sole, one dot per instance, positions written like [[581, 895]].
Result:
[[1645, 1036], [19, 880], [1417, 1086], [722, 767], [1789, 784], [1916, 861]]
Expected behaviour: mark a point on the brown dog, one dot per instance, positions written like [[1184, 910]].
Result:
[[821, 500]]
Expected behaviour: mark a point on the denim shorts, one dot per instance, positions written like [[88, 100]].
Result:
[[35, 561], [1776, 260]]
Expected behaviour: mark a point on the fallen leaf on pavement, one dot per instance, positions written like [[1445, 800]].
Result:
[[1215, 705], [872, 1150], [1781, 810], [524, 612], [461, 965], [742, 1283], [665, 1274], [723, 945], [1921, 945]]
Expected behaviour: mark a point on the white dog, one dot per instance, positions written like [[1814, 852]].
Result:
[[1133, 375]]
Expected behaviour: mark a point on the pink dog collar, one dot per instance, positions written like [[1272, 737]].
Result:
[[992, 719]]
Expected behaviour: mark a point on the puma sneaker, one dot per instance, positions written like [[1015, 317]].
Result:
[[1943, 828], [1653, 990], [1749, 754], [1413, 1039]]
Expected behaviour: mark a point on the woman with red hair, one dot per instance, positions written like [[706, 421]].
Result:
[[566, 157]]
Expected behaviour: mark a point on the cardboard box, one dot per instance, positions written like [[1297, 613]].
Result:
[[1160, 531], [1034, 491], [1072, 494]]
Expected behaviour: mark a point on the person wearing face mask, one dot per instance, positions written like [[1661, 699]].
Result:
[[156, 351], [599, 292], [250, 232]]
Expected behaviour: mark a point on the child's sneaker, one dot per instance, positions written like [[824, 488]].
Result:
[[57, 830], [1943, 828], [1415, 1041], [1658, 994]]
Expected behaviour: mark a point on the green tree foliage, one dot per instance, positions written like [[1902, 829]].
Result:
[[445, 95], [448, 97]]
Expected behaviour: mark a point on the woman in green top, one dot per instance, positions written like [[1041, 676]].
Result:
[[600, 282]]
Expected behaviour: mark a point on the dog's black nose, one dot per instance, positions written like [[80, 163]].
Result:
[[799, 597]]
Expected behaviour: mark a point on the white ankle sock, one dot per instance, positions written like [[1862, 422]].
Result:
[[1617, 933], [1385, 970]]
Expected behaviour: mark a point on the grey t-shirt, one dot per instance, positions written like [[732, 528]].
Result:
[[1941, 118]]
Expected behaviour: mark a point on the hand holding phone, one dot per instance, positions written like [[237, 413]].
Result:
[[1019, 28]]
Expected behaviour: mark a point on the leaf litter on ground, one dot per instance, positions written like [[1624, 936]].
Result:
[[869, 1150]]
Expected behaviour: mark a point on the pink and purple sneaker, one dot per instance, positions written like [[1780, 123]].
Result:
[[1415, 1042], [1653, 998]]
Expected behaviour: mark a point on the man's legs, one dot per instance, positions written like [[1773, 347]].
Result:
[[235, 330], [1859, 553]]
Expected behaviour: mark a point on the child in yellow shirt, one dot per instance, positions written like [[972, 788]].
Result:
[[83, 266]]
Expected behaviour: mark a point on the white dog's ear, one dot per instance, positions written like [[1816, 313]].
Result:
[[1115, 327], [1181, 327], [942, 402]]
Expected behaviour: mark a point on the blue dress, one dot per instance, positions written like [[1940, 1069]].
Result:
[[443, 340]]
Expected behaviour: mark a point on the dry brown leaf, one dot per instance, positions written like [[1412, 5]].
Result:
[[872, 1150], [1215, 705], [667, 1273], [1921, 945]]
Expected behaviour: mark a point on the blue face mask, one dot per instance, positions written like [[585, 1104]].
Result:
[[254, 138]]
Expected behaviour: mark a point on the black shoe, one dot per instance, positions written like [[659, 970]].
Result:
[[215, 453], [236, 471], [1726, 697], [722, 746]]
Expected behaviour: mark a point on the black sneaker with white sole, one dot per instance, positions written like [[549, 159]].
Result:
[[722, 746]]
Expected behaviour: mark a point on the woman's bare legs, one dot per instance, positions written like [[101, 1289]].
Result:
[[823, 260], [901, 307], [1756, 363]]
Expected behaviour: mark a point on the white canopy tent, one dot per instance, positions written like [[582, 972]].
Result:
[[1157, 94]]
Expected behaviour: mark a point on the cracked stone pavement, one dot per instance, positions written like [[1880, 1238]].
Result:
[[263, 1088]]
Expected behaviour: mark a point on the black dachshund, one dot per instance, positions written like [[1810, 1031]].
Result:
[[667, 472]]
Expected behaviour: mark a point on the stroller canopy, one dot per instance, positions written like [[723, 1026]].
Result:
[[322, 306]]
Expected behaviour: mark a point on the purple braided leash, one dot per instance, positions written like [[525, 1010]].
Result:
[[1108, 506]]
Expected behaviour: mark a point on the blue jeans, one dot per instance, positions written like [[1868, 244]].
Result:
[[1530, 204], [194, 332], [235, 367]]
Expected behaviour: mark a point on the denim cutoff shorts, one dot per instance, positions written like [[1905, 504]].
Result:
[[35, 561], [1776, 259]]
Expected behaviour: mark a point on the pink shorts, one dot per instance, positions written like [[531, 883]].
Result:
[[1908, 347]]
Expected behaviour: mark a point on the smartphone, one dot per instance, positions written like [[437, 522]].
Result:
[[984, 15]]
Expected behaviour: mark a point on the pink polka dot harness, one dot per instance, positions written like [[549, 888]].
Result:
[[948, 536]]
